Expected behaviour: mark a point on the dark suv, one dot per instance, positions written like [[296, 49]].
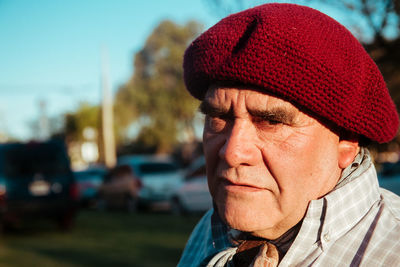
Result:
[[36, 181]]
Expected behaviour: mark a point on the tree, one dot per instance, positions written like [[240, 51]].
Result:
[[156, 90], [86, 115], [379, 16]]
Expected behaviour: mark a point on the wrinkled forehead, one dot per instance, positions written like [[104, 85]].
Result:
[[250, 98]]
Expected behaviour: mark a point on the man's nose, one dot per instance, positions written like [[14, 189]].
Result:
[[240, 147]]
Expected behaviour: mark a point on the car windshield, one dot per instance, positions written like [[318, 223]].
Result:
[[27, 160], [157, 167], [89, 175]]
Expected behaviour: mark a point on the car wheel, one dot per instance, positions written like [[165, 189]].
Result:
[[2, 228], [66, 221], [101, 204], [176, 207], [131, 204]]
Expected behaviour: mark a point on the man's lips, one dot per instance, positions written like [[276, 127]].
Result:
[[238, 186]]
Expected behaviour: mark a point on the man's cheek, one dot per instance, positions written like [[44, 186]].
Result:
[[213, 183]]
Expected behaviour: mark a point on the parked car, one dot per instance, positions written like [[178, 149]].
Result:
[[88, 182], [389, 177], [36, 181], [119, 190], [159, 177], [193, 195]]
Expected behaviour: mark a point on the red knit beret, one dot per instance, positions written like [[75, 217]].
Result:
[[301, 55]]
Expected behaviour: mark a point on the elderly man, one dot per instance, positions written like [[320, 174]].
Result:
[[290, 99]]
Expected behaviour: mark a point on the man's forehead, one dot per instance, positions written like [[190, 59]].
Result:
[[252, 98]]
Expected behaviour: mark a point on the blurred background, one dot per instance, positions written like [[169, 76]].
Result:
[[100, 144]]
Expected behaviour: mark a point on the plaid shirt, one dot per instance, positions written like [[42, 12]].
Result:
[[357, 224]]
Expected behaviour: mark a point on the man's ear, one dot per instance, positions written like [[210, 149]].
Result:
[[348, 150]]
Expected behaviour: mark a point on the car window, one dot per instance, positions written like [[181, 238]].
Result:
[[201, 171], [89, 175], [391, 169], [27, 160], [157, 167]]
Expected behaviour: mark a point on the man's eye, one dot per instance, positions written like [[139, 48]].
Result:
[[274, 122], [216, 124], [267, 122]]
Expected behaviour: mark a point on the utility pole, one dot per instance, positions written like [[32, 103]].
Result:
[[107, 114], [3, 127], [43, 121]]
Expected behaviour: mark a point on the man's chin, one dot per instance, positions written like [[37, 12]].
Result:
[[243, 218]]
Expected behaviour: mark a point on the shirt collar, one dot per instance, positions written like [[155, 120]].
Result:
[[219, 231], [330, 217], [360, 163]]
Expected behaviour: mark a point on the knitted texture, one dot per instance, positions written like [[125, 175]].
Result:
[[301, 55]]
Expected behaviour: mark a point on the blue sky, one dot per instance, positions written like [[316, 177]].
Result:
[[50, 50]]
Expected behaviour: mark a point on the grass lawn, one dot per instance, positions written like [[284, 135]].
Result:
[[100, 239]]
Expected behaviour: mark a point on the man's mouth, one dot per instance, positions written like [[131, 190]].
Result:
[[239, 186]]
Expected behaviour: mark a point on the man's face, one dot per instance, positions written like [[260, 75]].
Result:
[[265, 160]]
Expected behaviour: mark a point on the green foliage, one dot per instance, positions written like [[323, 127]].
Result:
[[85, 116], [156, 89]]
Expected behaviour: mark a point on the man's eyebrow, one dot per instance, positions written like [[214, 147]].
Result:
[[275, 114], [208, 109]]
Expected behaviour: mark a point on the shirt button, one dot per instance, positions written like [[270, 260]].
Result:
[[327, 237]]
